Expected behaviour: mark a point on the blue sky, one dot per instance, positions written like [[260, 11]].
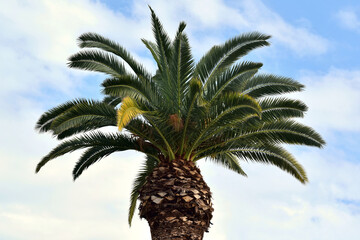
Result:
[[315, 42]]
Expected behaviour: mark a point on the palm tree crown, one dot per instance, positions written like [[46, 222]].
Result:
[[218, 108]]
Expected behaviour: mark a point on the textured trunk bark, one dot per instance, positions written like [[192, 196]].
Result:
[[176, 202]]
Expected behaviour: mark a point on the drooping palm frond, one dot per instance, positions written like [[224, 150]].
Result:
[[112, 100], [281, 108], [92, 155], [94, 139], [86, 126], [45, 121], [128, 111], [130, 86], [81, 113], [94, 40], [279, 132], [228, 160], [97, 61], [266, 85], [282, 131], [274, 155], [263, 153], [149, 165]]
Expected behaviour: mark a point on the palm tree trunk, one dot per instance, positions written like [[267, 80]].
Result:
[[176, 201]]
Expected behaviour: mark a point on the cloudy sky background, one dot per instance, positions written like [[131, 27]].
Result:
[[315, 42]]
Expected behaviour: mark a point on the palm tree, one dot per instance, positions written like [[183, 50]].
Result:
[[217, 109]]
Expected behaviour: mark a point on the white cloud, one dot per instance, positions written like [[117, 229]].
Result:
[[333, 99], [299, 39], [349, 19], [41, 34], [240, 16]]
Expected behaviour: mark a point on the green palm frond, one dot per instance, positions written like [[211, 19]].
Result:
[[92, 155], [94, 139], [266, 85], [181, 67], [163, 44], [220, 57], [97, 61], [129, 86], [230, 107], [264, 153], [153, 50], [46, 119], [112, 100], [149, 165], [228, 160], [282, 131], [81, 113], [274, 155], [87, 126], [238, 73], [143, 130], [281, 108], [195, 88], [94, 40], [163, 132]]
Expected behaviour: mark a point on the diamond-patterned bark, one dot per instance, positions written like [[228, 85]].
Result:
[[176, 201]]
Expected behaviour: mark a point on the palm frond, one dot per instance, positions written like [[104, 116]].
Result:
[[238, 73], [267, 84], [282, 131], [112, 100], [263, 153], [195, 88], [281, 108], [220, 57], [232, 106], [93, 139], [228, 160], [129, 110], [94, 40], [181, 66], [86, 126], [274, 155], [163, 44], [97, 61], [82, 113], [153, 50], [45, 121], [129, 86], [92, 155], [148, 167]]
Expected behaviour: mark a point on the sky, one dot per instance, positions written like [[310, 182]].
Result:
[[314, 42]]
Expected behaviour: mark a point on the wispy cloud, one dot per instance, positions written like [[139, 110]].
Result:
[[299, 39], [333, 99], [349, 19], [240, 16]]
